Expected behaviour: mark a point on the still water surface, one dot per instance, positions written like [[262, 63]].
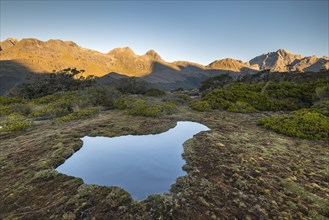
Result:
[[140, 164]]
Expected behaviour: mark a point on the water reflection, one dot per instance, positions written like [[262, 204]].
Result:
[[141, 164]]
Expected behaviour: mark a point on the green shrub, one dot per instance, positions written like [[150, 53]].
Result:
[[151, 111], [155, 92], [49, 98], [322, 107], [47, 84], [81, 114], [304, 123], [142, 108], [220, 99], [177, 98], [5, 110], [242, 107], [168, 108], [14, 122], [185, 97], [61, 107], [91, 96], [10, 105], [57, 106], [322, 92], [270, 96], [132, 85], [201, 106], [50, 111], [99, 96], [10, 100], [41, 111], [216, 82], [122, 103], [24, 109]]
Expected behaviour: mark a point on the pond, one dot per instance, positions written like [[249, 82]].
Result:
[[140, 164]]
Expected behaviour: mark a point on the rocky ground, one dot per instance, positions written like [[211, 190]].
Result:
[[237, 170]]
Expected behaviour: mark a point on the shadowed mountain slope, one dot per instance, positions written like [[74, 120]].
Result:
[[20, 57]]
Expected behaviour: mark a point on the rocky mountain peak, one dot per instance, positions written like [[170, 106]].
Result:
[[279, 61], [153, 54], [283, 51], [122, 51], [286, 54]]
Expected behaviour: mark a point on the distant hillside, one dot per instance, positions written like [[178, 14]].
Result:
[[40, 56], [233, 65], [20, 58], [56, 55], [168, 78]]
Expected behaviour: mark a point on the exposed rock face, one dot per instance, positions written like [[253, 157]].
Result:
[[153, 55], [7, 43], [284, 61], [312, 64]]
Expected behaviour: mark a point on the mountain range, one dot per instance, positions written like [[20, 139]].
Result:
[[20, 58]]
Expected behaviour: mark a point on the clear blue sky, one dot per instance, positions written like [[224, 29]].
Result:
[[199, 31]]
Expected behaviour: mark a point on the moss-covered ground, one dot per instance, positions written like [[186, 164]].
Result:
[[237, 170]]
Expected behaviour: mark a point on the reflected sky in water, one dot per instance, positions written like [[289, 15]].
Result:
[[141, 164]]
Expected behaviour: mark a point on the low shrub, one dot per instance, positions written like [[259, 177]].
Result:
[[322, 92], [24, 109], [304, 123], [242, 107], [216, 82], [10, 100], [178, 98], [5, 110], [132, 85], [168, 108], [99, 96], [81, 114], [10, 105], [50, 111], [141, 108], [50, 98], [122, 103], [220, 99], [14, 122], [268, 96], [322, 107], [201, 106], [155, 92], [55, 106]]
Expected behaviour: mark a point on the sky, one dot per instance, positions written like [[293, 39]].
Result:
[[197, 31]]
